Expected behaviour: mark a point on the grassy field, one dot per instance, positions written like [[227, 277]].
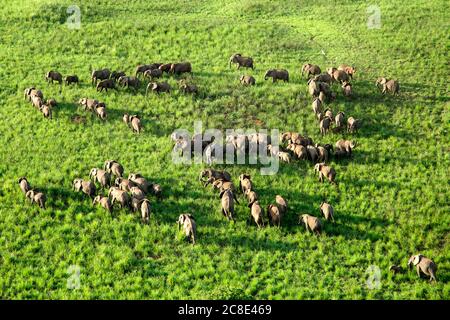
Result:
[[392, 199]]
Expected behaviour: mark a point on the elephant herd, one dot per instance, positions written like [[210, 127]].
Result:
[[132, 193]]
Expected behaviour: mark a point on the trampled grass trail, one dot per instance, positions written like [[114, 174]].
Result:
[[392, 196]]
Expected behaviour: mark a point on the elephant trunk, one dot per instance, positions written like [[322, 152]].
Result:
[[231, 60]]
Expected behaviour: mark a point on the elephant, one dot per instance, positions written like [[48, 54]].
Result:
[[137, 193], [424, 265], [103, 177], [338, 154], [257, 213], [251, 197], [338, 75], [189, 226], [114, 168], [156, 190], [212, 175], [30, 92], [327, 210], [88, 104], [314, 87], [145, 210], [311, 69], [102, 74], [53, 76], [247, 80], [317, 106], [179, 68], [245, 62], [245, 183], [346, 145], [227, 202], [339, 119], [311, 223], [325, 171], [274, 215], [323, 77], [139, 181], [51, 103], [223, 185], [46, 111], [100, 111], [36, 197], [115, 75], [158, 87], [153, 73], [124, 184], [121, 196], [37, 102], [165, 67], [24, 185], [127, 82], [350, 70], [135, 122], [391, 86], [188, 88], [126, 118], [104, 202], [347, 89], [302, 140], [135, 204], [281, 203], [142, 68], [323, 154], [325, 125], [312, 153], [85, 186], [299, 151], [353, 124], [106, 84], [284, 156], [277, 74], [71, 79]]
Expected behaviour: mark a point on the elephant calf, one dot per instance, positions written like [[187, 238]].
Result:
[[71, 79], [347, 89], [136, 124], [87, 187], [187, 87], [53, 76], [105, 85], [189, 226], [212, 175], [424, 265], [100, 111], [145, 210], [327, 210], [323, 153], [104, 202], [339, 119], [36, 197], [325, 171], [245, 183], [277, 74], [247, 80], [311, 223], [24, 185], [46, 111]]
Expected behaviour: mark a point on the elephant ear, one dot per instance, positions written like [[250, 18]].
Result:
[[221, 194], [417, 259]]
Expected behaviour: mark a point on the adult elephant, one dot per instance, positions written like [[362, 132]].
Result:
[[102, 74]]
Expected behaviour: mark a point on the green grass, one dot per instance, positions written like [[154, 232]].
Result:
[[392, 198]]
